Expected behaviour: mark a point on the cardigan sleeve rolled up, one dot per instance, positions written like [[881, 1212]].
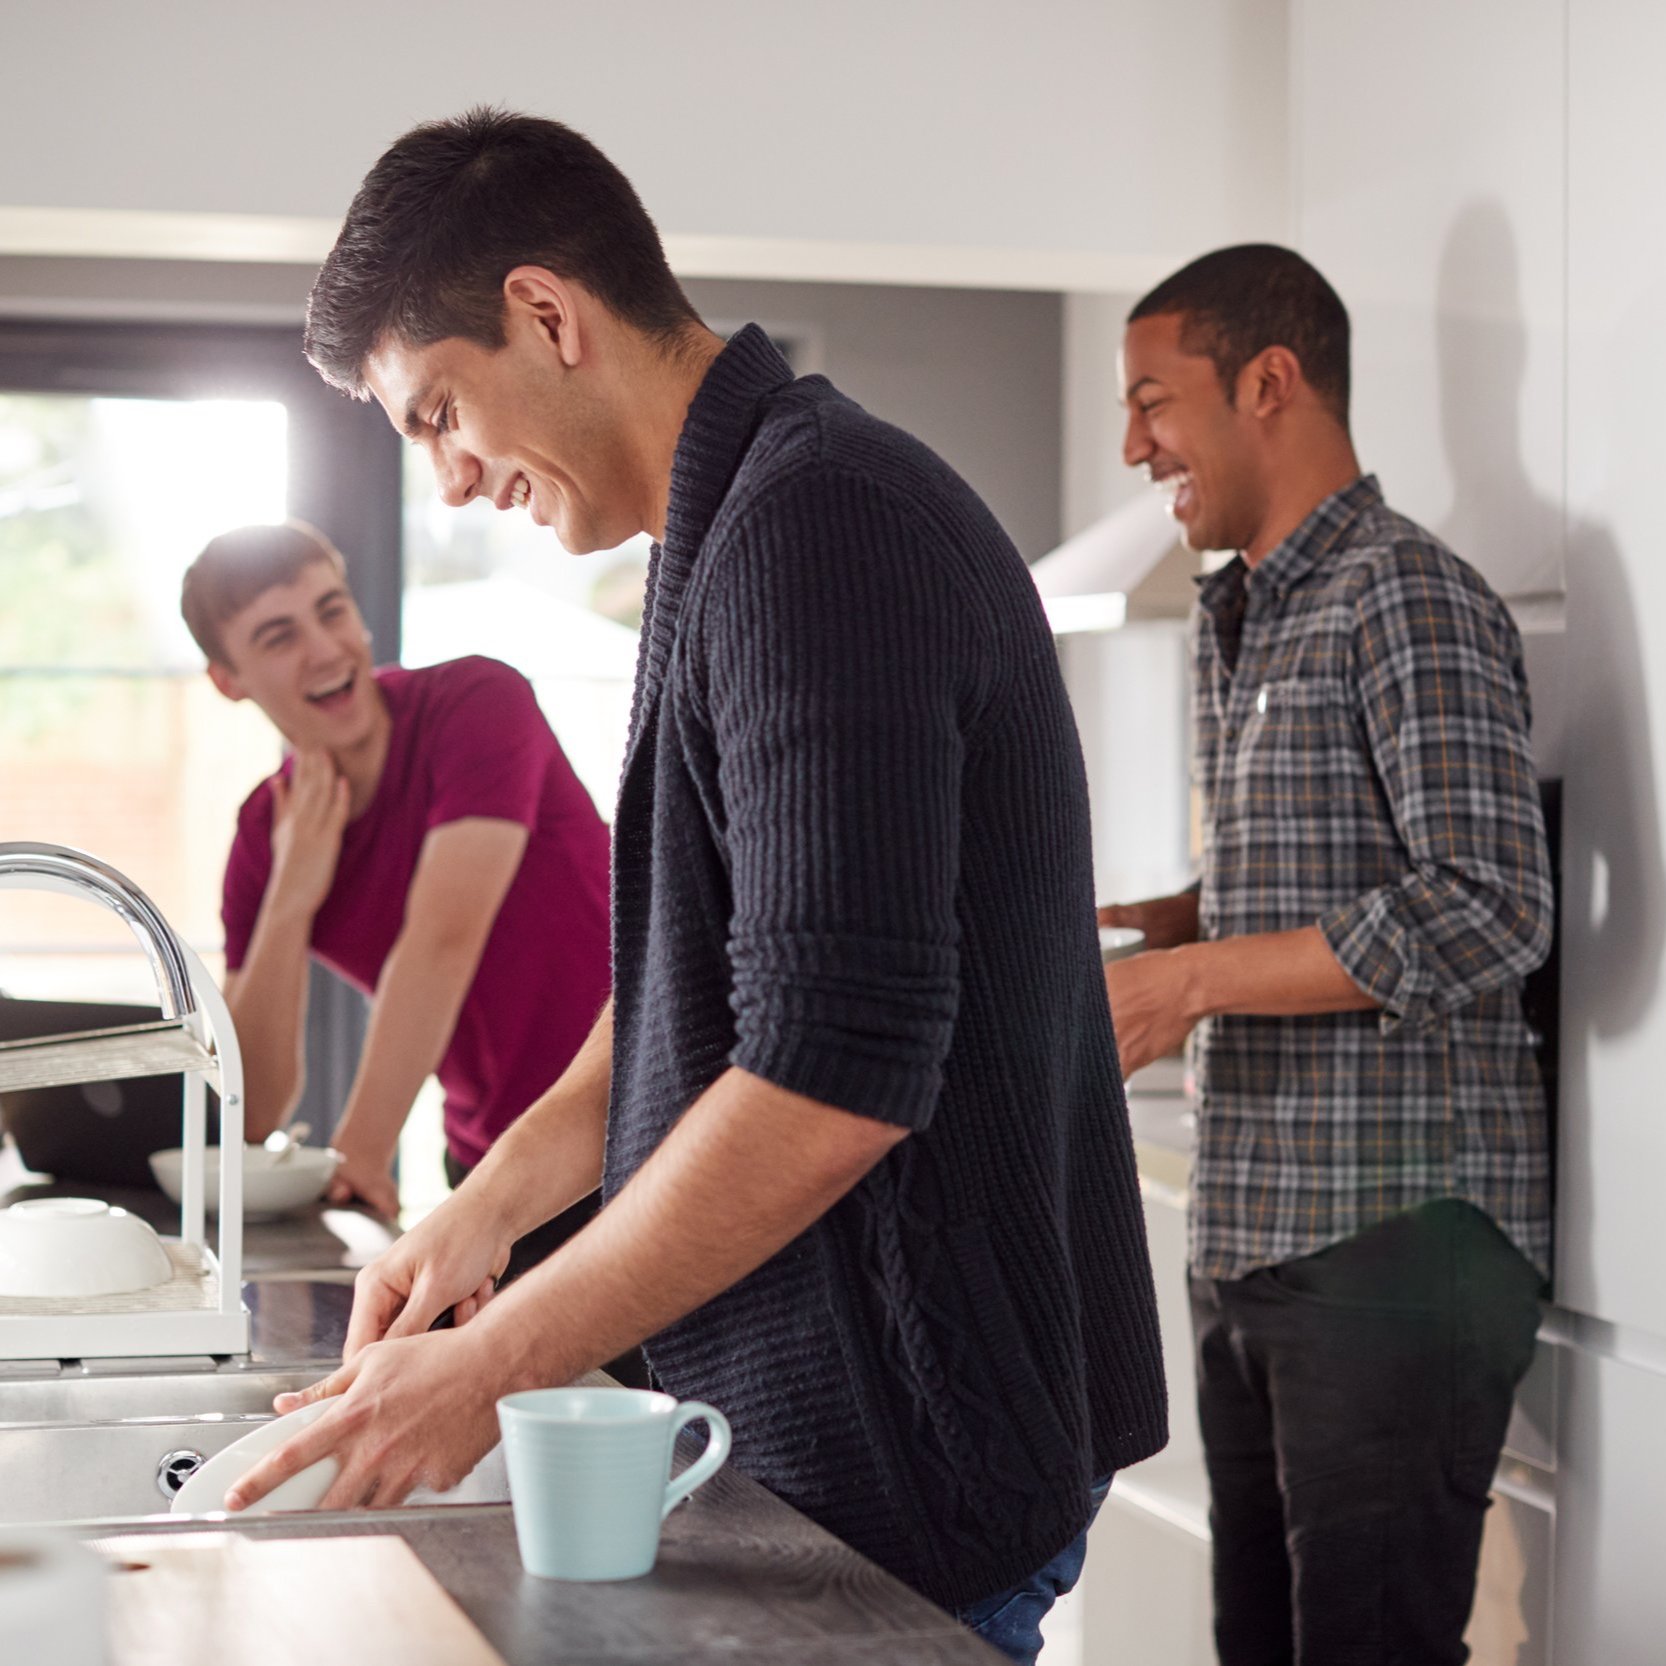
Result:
[[841, 668]]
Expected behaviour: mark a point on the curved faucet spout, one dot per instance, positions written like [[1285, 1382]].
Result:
[[43, 867]]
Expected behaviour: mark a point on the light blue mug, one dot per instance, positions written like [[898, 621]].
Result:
[[590, 1475]]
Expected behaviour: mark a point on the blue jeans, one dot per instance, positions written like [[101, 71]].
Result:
[[1011, 1620]]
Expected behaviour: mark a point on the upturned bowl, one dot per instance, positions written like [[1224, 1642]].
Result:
[[77, 1246]]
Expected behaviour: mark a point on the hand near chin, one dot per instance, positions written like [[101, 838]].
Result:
[[309, 815]]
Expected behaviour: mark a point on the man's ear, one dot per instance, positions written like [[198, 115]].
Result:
[[225, 679], [1269, 382], [551, 304]]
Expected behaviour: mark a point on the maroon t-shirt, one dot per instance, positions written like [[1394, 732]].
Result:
[[468, 739]]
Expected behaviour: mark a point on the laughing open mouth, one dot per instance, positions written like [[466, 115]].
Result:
[[1176, 489], [336, 694]]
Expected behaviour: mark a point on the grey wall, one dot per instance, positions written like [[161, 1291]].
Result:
[[975, 373]]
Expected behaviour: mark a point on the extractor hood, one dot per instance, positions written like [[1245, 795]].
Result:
[[1085, 583]]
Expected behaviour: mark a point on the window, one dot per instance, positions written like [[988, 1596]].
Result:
[[122, 449], [111, 738]]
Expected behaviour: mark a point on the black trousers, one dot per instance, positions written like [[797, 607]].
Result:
[[1353, 1406], [539, 1244]]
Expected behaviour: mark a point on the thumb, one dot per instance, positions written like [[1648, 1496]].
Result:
[[336, 1383]]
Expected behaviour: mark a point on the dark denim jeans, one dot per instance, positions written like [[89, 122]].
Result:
[[1011, 1620], [1353, 1406]]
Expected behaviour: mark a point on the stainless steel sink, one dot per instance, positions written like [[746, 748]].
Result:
[[96, 1448]]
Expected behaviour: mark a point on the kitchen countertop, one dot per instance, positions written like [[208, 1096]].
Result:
[[741, 1578]]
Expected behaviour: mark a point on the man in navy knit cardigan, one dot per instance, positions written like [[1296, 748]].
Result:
[[855, 1106]]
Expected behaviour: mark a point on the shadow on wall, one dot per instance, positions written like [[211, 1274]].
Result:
[[1614, 898], [1591, 718], [1497, 519]]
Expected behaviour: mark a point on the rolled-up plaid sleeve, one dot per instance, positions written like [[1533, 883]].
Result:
[[1444, 704]]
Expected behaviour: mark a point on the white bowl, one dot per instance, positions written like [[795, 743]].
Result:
[[1119, 942], [206, 1489], [273, 1184], [77, 1246]]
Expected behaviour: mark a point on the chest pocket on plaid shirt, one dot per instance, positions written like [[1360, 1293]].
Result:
[[1297, 748]]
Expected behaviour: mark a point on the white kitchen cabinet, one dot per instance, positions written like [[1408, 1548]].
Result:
[[1103, 127], [1610, 1599], [1144, 1594]]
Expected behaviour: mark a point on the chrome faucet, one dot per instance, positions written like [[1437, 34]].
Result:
[[42, 867]]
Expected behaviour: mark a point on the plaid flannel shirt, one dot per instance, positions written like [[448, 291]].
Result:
[[1362, 751]]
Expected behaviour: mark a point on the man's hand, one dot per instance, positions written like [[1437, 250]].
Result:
[[453, 1258], [309, 812], [1166, 921], [1157, 998], [418, 1412], [1153, 1005], [369, 1179]]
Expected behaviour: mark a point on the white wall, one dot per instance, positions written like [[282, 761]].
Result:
[[1614, 1149], [1103, 125], [1479, 180], [1429, 166]]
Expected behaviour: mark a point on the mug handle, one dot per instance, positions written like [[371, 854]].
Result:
[[708, 1463]]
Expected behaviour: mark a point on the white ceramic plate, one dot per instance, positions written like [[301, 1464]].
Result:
[[207, 1489], [272, 1184]]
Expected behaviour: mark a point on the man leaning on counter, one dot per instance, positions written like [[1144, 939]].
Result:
[[855, 1106], [1370, 1218], [428, 840]]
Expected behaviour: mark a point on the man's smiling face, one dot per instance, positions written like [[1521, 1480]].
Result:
[[1190, 441], [521, 426], [301, 652]]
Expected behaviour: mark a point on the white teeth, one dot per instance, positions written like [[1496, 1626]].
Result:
[[341, 687], [520, 492], [1172, 485]]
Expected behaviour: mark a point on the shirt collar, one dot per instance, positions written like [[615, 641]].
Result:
[[720, 421], [722, 418], [1289, 562]]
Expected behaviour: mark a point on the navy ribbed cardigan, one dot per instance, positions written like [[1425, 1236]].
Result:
[[851, 856]]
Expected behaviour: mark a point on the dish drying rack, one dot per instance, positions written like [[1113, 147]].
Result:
[[200, 1309]]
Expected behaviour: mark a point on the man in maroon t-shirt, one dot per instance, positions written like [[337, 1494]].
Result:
[[427, 839]]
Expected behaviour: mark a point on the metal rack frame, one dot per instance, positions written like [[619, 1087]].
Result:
[[196, 1038]]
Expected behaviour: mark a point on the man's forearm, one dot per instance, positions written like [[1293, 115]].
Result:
[[1282, 974], [268, 1006], [418, 997], [747, 1169], [551, 1155]]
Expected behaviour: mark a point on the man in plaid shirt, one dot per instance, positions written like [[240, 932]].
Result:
[[1370, 1228]]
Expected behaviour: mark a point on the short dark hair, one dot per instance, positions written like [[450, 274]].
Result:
[[235, 567], [1237, 302], [454, 206]]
